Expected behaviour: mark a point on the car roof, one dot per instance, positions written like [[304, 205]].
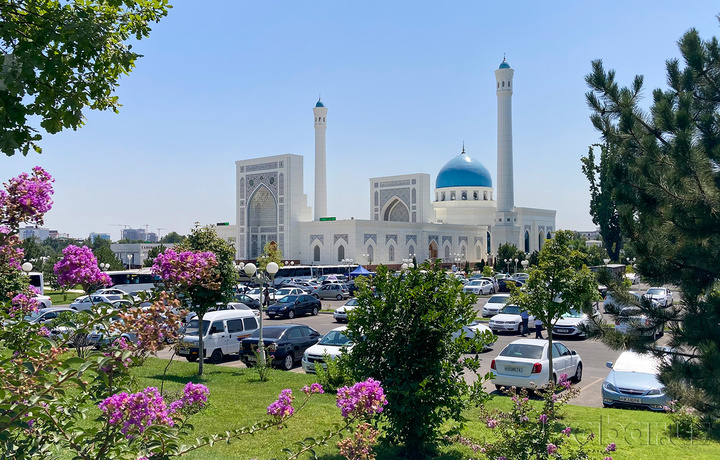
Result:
[[44, 310], [284, 326], [541, 342], [228, 314]]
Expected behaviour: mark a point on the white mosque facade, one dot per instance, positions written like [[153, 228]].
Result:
[[463, 218]]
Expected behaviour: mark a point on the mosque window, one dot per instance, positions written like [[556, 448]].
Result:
[[489, 241], [376, 198], [341, 253], [464, 196], [436, 197], [478, 252], [549, 236], [391, 253], [485, 196], [503, 84], [527, 241], [508, 84], [498, 84], [414, 196], [475, 196], [452, 196], [447, 253], [540, 240], [442, 196], [370, 252], [316, 254], [411, 250]]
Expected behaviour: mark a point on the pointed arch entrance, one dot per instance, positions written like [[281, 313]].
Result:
[[433, 250]]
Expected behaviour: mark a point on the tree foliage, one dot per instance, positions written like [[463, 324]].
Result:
[[172, 237], [59, 58], [408, 322], [558, 283], [510, 252], [603, 207], [271, 253], [666, 182]]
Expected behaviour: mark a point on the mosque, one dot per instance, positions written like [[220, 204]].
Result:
[[462, 219]]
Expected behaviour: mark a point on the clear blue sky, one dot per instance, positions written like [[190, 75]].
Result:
[[405, 84]]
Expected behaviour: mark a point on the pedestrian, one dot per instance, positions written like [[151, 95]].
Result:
[[525, 317], [266, 294], [538, 329]]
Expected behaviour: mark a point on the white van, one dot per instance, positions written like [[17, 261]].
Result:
[[222, 334]]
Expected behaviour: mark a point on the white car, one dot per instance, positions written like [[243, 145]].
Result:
[[43, 301], [340, 314], [631, 319], [569, 324], [495, 304], [255, 293], [333, 344], [509, 320], [661, 295], [88, 302], [524, 364], [282, 292], [473, 329], [479, 287]]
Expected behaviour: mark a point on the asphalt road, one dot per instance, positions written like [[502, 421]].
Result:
[[594, 354]]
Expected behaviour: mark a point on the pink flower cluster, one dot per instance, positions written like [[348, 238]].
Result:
[[314, 388], [282, 408], [564, 382], [26, 198], [551, 448], [362, 399], [79, 266], [138, 411], [186, 268], [22, 305]]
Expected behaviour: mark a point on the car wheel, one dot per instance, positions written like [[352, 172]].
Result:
[[191, 359], [291, 314], [287, 362], [249, 364], [316, 296], [339, 297], [578, 373], [315, 311], [216, 357], [271, 316]]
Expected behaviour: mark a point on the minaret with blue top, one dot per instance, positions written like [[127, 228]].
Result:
[[507, 230], [320, 208]]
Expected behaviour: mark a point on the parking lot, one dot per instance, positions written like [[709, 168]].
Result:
[[594, 354]]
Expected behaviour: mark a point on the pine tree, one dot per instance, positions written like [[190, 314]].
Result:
[[665, 172]]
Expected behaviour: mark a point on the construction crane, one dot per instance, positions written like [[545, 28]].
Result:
[[125, 226], [158, 232]]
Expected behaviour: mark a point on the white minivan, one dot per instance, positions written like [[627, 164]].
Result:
[[222, 334]]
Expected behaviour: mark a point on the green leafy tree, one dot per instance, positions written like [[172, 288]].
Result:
[[101, 249], [408, 323], [511, 252], [667, 187], [271, 253], [224, 273], [172, 238], [558, 283], [59, 58], [152, 253], [603, 207]]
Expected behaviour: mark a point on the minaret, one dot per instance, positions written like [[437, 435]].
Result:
[[505, 229], [320, 112], [505, 193]]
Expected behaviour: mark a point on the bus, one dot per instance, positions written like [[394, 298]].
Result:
[[37, 281], [133, 280], [288, 273]]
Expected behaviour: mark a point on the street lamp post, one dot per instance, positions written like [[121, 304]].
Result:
[[252, 273], [524, 264], [129, 258], [27, 268], [507, 265], [516, 261]]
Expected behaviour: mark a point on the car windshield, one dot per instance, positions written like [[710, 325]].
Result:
[[32, 317], [351, 302], [254, 291], [655, 292], [521, 350], [269, 333], [475, 283], [288, 299], [283, 291], [511, 310], [191, 328], [573, 314], [637, 362], [497, 299], [336, 338]]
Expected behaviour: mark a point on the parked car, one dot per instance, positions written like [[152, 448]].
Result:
[[286, 343], [99, 337], [255, 293], [332, 344], [524, 364], [504, 284], [633, 381], [473, 329], [509, 320], [282, 292], [45, 315], [341, 313], [633, 277], [333, 291], [222, 332], [570, 323], [495, 304], [249, 301], [611, 303], [479, 287], [293, 305], [522, 277], [43, 301], [88, 302], [661, 295], [632, 319], [352, 288]]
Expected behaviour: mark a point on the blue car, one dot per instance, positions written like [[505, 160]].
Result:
[[633, 382]]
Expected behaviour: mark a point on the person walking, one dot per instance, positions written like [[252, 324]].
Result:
[[525, 317], [538, 329]]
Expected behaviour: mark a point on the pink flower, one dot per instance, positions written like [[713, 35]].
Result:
[[543, 418], [551, 448], [282, 408], [314, 388], [566, 432], [79, 266], [610, 447], [492, 423], [137, 411], [184, 269], [195, 397], [362, 399]]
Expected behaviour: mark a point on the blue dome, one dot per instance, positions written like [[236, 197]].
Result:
[[504, 65], [319, 104], [463, 171]]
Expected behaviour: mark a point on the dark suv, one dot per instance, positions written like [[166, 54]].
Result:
[[286, 343], [293, 305]]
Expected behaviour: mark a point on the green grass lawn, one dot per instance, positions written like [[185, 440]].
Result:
[[239, 399], [59, 298]]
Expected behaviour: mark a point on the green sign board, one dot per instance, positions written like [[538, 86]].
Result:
[[325, 219], [223, 223]]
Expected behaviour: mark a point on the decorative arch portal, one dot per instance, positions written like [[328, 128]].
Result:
[[316, 254], [447, 254], [262, 220], [341, 253], [396, 211], [433, 250], [527, 241]]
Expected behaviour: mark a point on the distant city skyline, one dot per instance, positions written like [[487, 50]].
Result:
[[405, 85]]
